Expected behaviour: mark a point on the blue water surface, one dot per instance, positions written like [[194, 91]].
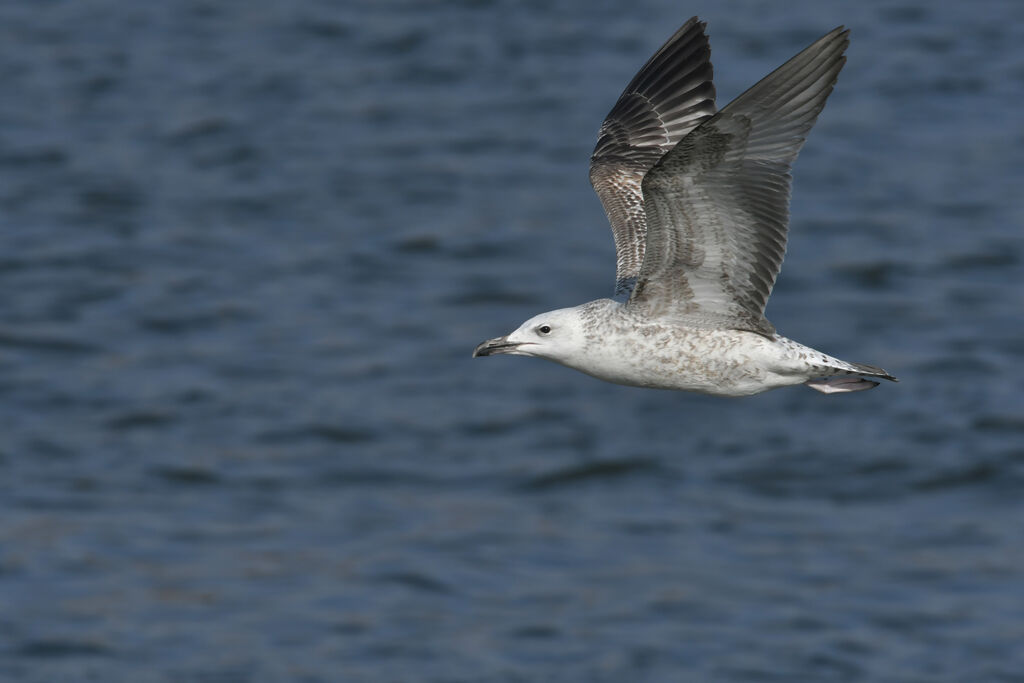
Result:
[[246, 250]]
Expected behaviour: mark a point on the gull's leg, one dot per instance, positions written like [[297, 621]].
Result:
[[840, 384]]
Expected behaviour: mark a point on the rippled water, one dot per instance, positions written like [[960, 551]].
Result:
[[247, 248]]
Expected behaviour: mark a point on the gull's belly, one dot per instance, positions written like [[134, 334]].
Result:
[[721, 362]]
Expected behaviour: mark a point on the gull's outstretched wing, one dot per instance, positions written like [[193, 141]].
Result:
[[717, 205], [667, 99]]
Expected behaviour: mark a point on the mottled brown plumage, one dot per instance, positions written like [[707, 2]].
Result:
[[699, 206]]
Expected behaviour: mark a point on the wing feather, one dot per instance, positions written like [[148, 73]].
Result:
[[717, 205], [670, 95]]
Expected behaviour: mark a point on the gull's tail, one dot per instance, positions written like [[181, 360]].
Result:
[[828, 374], [841, 377]]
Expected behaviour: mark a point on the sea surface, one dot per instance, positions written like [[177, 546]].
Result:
[[246, 250]]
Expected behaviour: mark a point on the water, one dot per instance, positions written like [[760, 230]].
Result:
[[246, 250]]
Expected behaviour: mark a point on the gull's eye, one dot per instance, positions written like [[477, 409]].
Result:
[[544, 329]]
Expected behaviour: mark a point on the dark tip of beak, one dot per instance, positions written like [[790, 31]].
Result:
[[494, 346]]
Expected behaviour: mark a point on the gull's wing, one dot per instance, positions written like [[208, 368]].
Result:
[[667, 99], [717, 205]]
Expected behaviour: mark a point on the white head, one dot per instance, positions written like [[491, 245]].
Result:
[[556, 335]]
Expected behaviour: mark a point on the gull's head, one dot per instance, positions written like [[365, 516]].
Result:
[[556, 335]]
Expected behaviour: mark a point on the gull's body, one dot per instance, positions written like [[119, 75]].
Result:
[[698, 201]]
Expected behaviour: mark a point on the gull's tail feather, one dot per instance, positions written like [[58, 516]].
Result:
[[872, 371], [843, 377]]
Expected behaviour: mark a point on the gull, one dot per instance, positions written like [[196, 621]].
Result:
[[698, 202]]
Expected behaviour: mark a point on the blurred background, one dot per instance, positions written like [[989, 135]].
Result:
[[246, 250]]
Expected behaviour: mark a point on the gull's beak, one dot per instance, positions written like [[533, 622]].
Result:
[[495, 346]]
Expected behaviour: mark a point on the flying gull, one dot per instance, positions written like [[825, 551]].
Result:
[[698, 201]]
